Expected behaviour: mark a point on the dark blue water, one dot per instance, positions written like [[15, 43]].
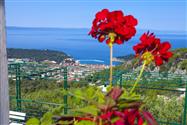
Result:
[[78, 44]]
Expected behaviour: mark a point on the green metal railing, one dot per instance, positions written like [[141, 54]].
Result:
[[18, 71], [122, 78], [33, 108], [175, 81]]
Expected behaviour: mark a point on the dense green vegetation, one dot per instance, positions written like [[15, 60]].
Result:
[[165, 109], [52, 91], [158, 95], [37, 55]]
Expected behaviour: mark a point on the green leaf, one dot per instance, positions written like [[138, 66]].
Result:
[[101, 98], [85, 123], [109, 88], [129, 105], [77, 93], [115, 119], [88, 110], [65, 122], [33, 121], [129, 97], [58, 111], [47, 119], [90, 92]]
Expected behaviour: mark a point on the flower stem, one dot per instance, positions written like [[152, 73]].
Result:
[[112, 37], [139, 76], [111, 52]]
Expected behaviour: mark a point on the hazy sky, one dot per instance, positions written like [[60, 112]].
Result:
[[151, 14]]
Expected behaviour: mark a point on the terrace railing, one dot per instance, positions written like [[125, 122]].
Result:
[[32, 71], [165, 83]]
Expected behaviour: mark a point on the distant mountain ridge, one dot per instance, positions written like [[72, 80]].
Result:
[[37, 55]]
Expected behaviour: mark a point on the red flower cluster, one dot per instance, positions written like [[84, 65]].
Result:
[[127, 117], [115, 22], [159, 51]]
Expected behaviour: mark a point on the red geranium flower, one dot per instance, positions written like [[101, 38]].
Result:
[[150, 48], [114, 24]]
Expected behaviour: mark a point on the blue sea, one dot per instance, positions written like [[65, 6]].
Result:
[[78, 44]]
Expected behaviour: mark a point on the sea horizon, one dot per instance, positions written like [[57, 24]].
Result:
[[77, 43]]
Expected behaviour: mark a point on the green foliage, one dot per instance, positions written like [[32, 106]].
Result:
[[167, 109], [115, 100], [80, 97], [47, 119], [85, 123], [33, 121], [177, 60], [90, 109], [183, 64]]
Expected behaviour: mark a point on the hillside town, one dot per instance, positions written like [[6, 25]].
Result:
[[76, 70]]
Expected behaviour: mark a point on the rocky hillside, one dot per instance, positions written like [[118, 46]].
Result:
[[177, 64]]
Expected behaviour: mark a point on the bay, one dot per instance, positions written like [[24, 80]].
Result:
[[78, 44]]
